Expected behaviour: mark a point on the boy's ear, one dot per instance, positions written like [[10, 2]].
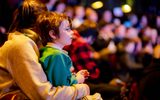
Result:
[[52, 34]]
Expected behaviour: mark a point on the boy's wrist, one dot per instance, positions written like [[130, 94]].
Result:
[[80, 78], [74, 74]]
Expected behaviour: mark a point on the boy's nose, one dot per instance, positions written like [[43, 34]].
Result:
[[72, 32]]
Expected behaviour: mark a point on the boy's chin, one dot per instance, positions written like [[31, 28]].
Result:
[[68, 44]]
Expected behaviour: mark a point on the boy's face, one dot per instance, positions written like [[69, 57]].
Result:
[[66, 34]]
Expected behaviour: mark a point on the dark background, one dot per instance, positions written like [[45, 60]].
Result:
[[138, 6]]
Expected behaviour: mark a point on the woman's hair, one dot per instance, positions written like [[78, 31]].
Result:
[[26, 15], [50, 21]]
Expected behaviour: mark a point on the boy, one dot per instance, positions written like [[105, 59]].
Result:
[[56, 33]]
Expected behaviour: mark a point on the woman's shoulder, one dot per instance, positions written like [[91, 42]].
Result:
[[21, 39], [19, 42]]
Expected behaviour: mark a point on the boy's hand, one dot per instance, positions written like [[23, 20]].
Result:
[[85, 73], [80, 78]]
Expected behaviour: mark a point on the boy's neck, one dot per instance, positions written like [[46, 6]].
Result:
[[57, 46]]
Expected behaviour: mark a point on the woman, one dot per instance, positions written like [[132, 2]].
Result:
[[21, 74]]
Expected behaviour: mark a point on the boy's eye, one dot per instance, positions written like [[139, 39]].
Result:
[[68, 29]]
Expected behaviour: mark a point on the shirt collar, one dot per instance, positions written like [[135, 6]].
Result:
[[54, 45]]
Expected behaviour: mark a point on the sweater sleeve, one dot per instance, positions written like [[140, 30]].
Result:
[[30, 77]]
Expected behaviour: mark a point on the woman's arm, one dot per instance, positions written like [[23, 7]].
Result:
[[28, 74]]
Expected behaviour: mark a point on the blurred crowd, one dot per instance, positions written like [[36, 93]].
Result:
[[112, 47]]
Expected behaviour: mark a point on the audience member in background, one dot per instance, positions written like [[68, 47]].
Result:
[[20, 69], [148, 28], [60, 7], [158, 23], [127, 65], [146, 51], [107, 18], [3, 35], [50, 4], [79, 16], [119, 34], [106, 49], [150, 80], [69, 11], [91, 15]]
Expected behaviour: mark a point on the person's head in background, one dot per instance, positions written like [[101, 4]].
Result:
[[26, 15], [120, 31], [91, 14], [69, 11], [50, 4], [143, 21], [107, 16], [79, 15], [88, 31], [158, 21], [60, 7], [79, 12], [55, 28], [3, 35], [133, 19]]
